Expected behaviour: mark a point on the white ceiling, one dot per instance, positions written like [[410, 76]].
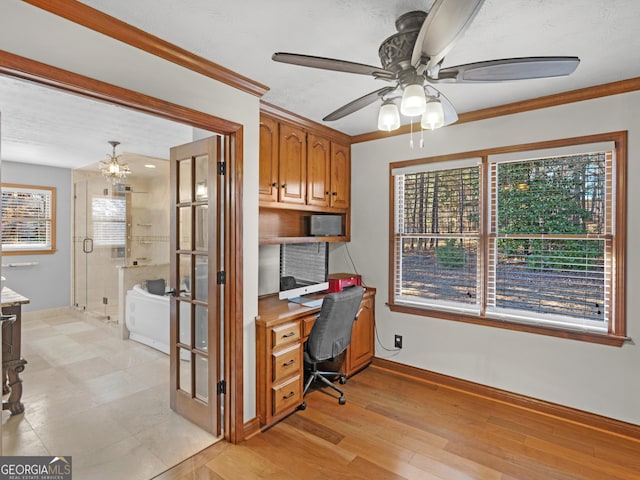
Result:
[[242, 35]]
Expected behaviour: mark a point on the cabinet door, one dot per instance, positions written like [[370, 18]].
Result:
[[340, 176], [362, 347], [268, 180], [318, 171], [293, 164]]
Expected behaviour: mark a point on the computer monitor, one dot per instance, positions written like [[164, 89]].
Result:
[[304, 269]]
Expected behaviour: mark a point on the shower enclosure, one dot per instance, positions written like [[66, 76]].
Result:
[[101, 229]]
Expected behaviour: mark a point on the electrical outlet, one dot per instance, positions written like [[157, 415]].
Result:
[[397, 341]]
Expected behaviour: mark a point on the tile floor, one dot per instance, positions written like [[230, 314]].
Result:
[[100, 399]]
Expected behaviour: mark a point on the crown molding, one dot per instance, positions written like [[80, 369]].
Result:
[[309, 125], [100, 22], [588, 93]]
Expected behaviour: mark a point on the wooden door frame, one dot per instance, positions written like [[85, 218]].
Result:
[[27, 69]]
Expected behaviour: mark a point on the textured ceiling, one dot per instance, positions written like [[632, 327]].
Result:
[[242, 35]]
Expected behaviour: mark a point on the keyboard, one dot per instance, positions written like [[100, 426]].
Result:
[[307, 302]]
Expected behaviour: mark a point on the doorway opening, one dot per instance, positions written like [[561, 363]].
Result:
[[231, 298]]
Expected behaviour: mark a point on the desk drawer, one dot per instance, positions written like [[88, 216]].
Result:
[[283, 334], [286, 363], [287, 395]]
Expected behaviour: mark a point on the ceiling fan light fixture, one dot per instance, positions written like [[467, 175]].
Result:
[[413, 100], [388, 116], [433, 116]]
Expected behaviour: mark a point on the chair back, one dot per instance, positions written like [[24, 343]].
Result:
[[331, 333]]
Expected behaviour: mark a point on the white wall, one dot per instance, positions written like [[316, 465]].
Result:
[[586, 376], [46, 284], [33, 33]]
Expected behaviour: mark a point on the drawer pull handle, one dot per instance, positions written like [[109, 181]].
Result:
[[287, 335], [291, 394], [289, 363]]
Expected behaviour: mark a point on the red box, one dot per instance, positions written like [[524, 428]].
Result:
[[340, 281]]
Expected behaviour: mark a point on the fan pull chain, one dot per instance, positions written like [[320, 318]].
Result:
[[422, 138], [411, 137]]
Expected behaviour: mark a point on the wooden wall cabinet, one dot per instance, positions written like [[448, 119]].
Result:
[[283, 163], [302, 172], [281, 330], [340, 176]]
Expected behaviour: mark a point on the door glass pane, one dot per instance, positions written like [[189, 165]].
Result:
[[184, 225], [185, 370], [201, 177], [202, 378], [201, 282], [184, 320], [184, 189], [185, 274], [201, 227], [202, 328]]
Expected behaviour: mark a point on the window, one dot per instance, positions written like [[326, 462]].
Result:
[[28, 219], [526, 237], [109, 216]]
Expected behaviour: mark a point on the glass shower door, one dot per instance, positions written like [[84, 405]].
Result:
[[100, 226]]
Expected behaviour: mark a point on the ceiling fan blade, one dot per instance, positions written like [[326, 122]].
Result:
[[445, 23], [333, 64], [357, 104], [509, 69]]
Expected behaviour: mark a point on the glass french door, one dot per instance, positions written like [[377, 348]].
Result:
[[196, 276]]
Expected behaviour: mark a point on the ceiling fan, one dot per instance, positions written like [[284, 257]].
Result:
[[412, 62]]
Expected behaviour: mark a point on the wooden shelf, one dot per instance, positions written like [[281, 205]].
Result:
[[292, 226], [279, 240]]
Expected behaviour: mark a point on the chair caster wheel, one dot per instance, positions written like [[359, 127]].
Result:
[[343, 379], [302, 406], [342, 400]]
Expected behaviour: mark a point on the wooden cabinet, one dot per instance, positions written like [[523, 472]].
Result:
[[362, 348], [268, 182], [318, 171], [281, 330], [301, 173], [340, 176], [292, 169], [328, 173], [280, 369], [283, 163]]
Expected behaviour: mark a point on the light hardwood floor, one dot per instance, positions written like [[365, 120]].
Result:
[[394, 427]]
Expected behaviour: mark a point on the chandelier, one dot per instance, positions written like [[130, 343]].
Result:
[[111, 169]]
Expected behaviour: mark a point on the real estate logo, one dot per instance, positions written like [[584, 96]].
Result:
[[35, 468]]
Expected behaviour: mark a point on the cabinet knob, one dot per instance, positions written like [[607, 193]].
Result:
[[327, 193], [284, 185], [274, 184], [334, 193]]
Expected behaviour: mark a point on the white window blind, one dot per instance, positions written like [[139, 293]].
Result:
[[28, 219], [527, 237], [437, 236], [550, 245], [109, 215]]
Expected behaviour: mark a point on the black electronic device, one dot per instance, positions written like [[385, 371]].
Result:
[[325, 225]]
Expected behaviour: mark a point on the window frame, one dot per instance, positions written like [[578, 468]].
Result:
[[616, 334], [51, 247]]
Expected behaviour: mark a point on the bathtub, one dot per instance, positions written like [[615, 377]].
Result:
[[147, 318]]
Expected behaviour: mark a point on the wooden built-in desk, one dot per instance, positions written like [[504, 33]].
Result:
[[281, 330], [12, 361]]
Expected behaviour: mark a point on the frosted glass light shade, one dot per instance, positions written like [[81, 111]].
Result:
[[388, 117], [433, 116], [413, 100]]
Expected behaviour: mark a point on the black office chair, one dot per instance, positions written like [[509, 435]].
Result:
[[331, 335]]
